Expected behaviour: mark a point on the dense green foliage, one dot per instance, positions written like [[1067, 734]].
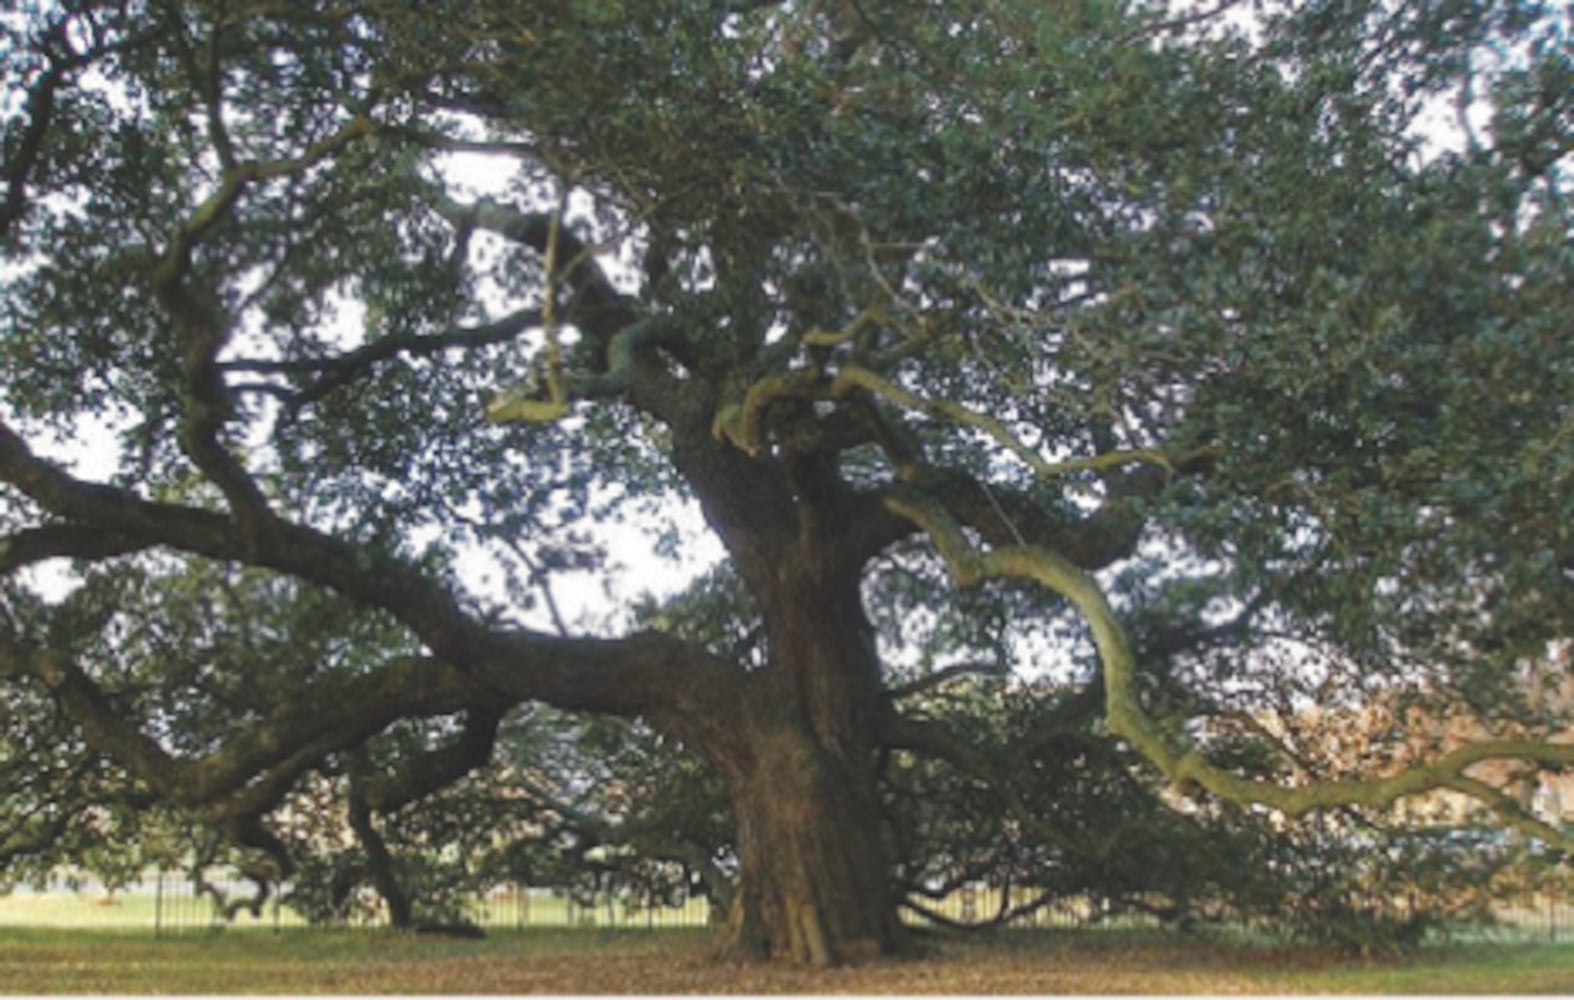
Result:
[[1244, 331]]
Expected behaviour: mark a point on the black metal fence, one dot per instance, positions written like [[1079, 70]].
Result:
[[181, 904], [174, 903]]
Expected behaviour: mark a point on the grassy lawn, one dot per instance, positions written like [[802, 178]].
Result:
[[39, 960]]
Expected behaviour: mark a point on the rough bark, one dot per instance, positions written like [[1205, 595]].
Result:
[[799, 759], [814, 880]]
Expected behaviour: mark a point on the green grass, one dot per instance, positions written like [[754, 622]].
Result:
[[55, 960], [1476, 969], [294, 961], [64, 942]]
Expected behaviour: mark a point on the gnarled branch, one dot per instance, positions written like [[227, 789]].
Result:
[[1179, 760], [431, 772], [252, 768], [204, 330]]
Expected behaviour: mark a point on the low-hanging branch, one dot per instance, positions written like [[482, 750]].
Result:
[[642, 674], [245, 773], [936, 740], [1005, 913], [1180, 760]]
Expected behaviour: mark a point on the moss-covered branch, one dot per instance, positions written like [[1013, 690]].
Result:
[[533, 402], [598, 309], [1181, 761], [744, 423]]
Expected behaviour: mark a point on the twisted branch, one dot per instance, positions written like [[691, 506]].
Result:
[[1177, 757]]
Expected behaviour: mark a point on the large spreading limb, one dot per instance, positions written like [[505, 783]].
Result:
[[332, 715], [650, 674], [1174, 755], [239, 783], [377, 580]]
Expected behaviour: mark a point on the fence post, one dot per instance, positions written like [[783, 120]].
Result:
[[158, 904]]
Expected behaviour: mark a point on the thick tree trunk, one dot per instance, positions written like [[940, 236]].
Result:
[[799, 758], [796, 742], [814, 877]]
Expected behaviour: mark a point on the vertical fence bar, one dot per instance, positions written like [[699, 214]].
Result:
[[158, 904]]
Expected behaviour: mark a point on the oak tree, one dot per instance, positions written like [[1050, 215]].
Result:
[[1223, 351]]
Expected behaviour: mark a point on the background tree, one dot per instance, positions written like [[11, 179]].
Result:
[[1167, 317]]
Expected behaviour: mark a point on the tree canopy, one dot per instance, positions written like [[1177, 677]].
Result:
[[1197, 368]]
